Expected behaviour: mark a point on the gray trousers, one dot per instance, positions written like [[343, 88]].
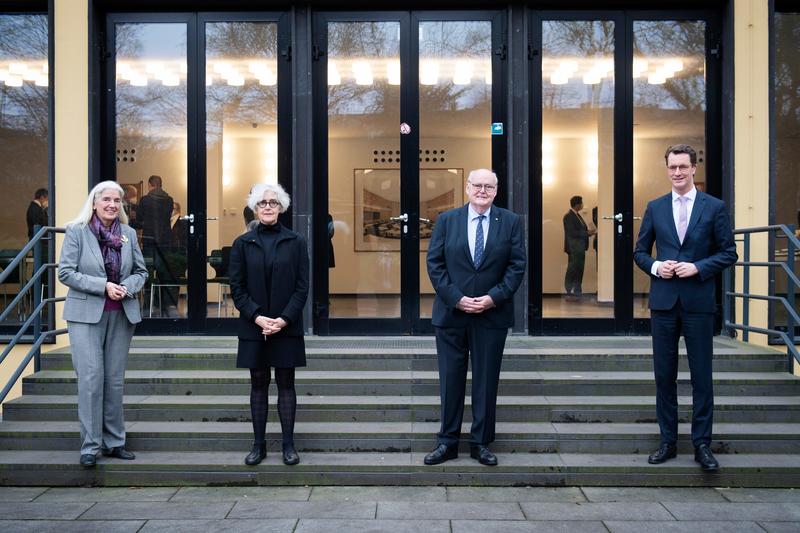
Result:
[[99, 354]]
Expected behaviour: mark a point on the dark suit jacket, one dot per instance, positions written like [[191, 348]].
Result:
[[576, 234], [153, 214], [35, 215], [288, 289], [708, 244], [454, 275]]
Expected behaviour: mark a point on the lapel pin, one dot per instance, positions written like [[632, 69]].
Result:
[[124, 238]]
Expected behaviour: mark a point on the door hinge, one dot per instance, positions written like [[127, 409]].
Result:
[[501, 51], [287, 53], [532, 51], [716, 51], [317, 52]]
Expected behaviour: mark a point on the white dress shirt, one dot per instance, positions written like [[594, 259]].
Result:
[[472, 228], [676, 205]]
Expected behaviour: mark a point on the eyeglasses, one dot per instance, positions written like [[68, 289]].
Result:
[[682, 168], [273, 204], [483, 186]]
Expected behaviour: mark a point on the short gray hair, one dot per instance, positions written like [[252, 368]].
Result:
[[481, 170], [258, 191]]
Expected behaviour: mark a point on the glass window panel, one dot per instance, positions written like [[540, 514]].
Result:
[[669, 99], [787, 139], [151, 102], [242, 139], [577, 160], [455, 110], [364, 169], [23, 143]]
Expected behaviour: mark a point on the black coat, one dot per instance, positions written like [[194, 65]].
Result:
[[289, 286], [576, 233]]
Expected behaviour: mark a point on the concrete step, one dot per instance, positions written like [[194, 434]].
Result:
[[514, 359], [512, 437], [60, 468], [315, 408], [424, 383]]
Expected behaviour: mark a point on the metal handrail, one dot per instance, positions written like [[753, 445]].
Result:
[[782, 231], [41, 334]]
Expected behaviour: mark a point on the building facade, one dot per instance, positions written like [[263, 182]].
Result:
[[372, 120]]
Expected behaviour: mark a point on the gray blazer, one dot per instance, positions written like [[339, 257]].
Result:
[[82, 270]]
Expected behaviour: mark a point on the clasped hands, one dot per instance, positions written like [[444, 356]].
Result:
[[475, 304], [270, 325], [115, 291], [670, 268]]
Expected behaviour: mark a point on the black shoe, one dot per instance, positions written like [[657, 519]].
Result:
[[256, 455], [703, 455], [665, 452], [119, 452], [440, 454], [483, 455], [88, 460], [290, 456]]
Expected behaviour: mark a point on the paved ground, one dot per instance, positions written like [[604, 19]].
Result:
[[398, 509]]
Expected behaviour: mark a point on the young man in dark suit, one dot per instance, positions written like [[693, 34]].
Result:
[[694, 242], [37, 211], [476, 261]]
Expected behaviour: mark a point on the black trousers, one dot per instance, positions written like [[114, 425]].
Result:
[[698, 331], [483, 347], [573, 279]]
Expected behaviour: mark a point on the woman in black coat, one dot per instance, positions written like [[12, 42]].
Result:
[[269, 284]]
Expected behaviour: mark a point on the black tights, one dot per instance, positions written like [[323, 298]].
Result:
[[287, 402]]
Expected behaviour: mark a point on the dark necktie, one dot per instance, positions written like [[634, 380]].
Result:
[[479, 242]]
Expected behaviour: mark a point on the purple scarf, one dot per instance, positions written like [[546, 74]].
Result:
[[110, 240]]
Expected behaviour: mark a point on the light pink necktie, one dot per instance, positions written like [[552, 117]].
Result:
[[682, 217]]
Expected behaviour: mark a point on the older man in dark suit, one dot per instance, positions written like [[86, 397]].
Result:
[[694, 243], [476, 261], [576, 242]]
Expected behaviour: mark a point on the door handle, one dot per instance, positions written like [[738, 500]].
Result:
[[189, 217], [617, 217], [425, 220], [401, 218], [212, 218], [637, 218]]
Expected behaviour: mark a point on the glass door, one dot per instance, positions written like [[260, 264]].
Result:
[[149, 111], [404, 111], [613, 91], [193, 114]]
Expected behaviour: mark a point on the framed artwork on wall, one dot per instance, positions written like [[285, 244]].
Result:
[[377, 200]]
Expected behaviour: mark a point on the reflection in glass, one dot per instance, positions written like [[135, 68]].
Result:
[[364, 168], [455, 110], [787, 139], [669, 98], [241, 136], [577, 141], [151, 101], [23, 142]]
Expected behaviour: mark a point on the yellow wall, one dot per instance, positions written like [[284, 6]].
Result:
[[751, 143], [71, 90]]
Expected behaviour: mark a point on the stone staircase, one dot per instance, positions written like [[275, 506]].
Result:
[[572, 411]]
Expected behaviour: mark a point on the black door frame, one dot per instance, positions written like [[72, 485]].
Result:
[[623, 322], [196, 321], [409, 321]]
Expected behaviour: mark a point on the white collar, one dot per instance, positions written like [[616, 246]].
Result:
[[474, 214], [691, 195]]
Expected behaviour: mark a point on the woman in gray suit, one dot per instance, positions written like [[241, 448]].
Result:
[[103, 267]]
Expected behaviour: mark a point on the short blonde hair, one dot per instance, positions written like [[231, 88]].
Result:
[[258, 191]]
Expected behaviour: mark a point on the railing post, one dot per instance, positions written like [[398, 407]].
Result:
[[790, 288], [746, 288], [37, 298]]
